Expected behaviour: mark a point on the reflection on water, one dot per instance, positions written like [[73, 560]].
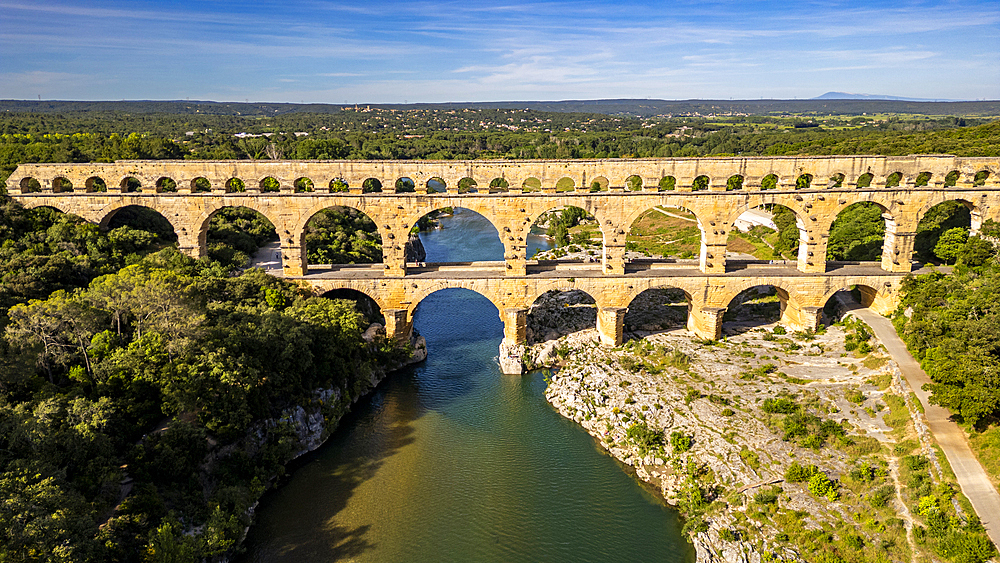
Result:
[[452, 461]]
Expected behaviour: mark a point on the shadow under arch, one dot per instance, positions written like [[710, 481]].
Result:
[[569, 226], [664, 232], [558, 312], [205, 220], [751, 305], [453, 234], [857, 295], [657, 309], [233, 234], [364, 303], [140, 217], [340, 234]]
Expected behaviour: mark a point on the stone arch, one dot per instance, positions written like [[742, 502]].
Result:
[[305, 185], [559, 310], [979, 179], [498, 185], [235, 185], [791, 309], [202, 223], [801, 215], [836, 181], [158, 221], [923, 179], [61, 184], [565, 184], [468, 185], [865, 180], [405, 184], [563, 204], [633, 183], [954, 212], [666, 184], [484, 238], [951, 179], [130, 184], [599, 184], [269, 184], [95, 184], [336, 186], [469, 285], [804, 181], [879, 296], [657, 308], [671, 217], [320, 233], [371, 185], [849, 237], [769, 182], [201, 184], [30, 185], [735, 182], [166, 184], [365, 303], [363, 287], [436, 185], [701, 183], [893, 180], [531, 184]]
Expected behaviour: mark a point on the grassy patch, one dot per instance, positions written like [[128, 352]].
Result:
[[986, 446]]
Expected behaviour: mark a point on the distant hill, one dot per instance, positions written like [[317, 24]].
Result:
[[631, 107], [849, 96]]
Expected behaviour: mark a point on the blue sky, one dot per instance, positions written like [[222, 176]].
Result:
[[355, 52]]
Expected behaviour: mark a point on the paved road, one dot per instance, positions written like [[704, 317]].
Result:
[[268, 257], [971, 476]]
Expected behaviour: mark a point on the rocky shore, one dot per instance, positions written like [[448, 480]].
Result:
[[765, 441]]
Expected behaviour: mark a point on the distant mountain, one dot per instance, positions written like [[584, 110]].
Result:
[[626, 107], [849, 96]]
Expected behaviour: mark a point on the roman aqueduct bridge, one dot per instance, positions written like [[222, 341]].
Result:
[[511, 195]]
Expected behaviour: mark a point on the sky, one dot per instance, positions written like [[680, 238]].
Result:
[[318, 51]]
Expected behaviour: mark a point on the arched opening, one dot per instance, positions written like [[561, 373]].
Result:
[[857, 233], [599, 184], [803, 182], [572, 233], [235, 185], [951, 179], [836, 181], [943, 232], [666, 184], [664, 232], [270, 184], [342, 235], [700, 183], [769, 182], [143, 219], [758, 306], [337, 186], [865, 180], [371, 185], [556, 313], [362, 303], [633, 183], [61, 184], [405, 185], [893, 180], [980, 178], [453, 321], [30, 186], [95, 184], [658, 309], [923, 179], [166, 185], [454, 234], [436, 185], [131, 184], [734, 182], [766, 232], [239, 237], [201, 185], [304, 185], [498, 185], [565, 185], [531, 185], [467, 186], [854, 297]]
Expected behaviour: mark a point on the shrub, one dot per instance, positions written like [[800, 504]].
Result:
[[644, 437], [821, 486], [915, 462], [726, 534], [854, 541], [879, 498], [797, 473], [680, 442], [779, 405]]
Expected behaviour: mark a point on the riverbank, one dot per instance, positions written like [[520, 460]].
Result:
[[773, 446]]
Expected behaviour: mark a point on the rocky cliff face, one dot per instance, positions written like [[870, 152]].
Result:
[[415, 249]]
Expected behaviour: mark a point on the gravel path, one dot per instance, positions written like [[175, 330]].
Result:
[[970, 474]]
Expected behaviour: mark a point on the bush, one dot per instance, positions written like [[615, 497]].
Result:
[[797, 473], [822, 486], [681, 442], [879, 498], [644, 437], [779, 405]]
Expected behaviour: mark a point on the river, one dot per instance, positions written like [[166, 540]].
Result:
[[452, 461]]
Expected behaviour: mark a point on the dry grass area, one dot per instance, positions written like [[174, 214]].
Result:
[[656, 233]]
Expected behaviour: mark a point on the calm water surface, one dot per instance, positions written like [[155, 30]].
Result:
[[453, 461]]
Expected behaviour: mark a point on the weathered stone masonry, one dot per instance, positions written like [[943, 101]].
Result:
[[904, 187]]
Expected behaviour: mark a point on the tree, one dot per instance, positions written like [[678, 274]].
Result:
[[62, 325], [951, 244]]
